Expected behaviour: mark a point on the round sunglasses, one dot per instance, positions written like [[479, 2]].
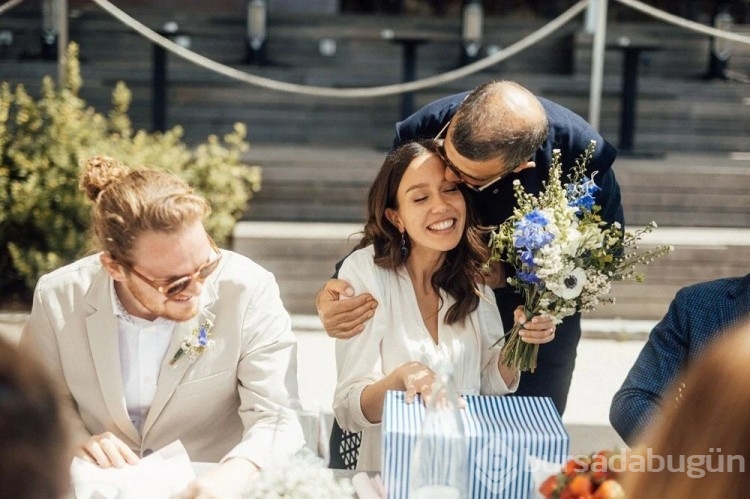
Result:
[[180, 284]]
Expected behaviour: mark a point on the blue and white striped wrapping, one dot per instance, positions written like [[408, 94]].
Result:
[[502, 432]]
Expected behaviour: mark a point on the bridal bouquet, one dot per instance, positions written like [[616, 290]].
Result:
[[564, 255]]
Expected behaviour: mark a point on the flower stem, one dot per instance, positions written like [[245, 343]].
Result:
[[516, 353], [177, 356]]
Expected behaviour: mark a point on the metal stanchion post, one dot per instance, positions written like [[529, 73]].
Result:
[[597, 24], [62, 37], [471, 31], [159, 75], [50, 14], [721, 49], [257, 35]]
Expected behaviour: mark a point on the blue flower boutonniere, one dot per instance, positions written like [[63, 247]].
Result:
[[195, 343]]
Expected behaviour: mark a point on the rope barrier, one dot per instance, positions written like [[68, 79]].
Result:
[[684, 23], [9, 5], [366, 92]]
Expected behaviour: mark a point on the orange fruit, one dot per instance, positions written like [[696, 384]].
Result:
[[548, 487], [609, 489], [581, 485], [599, 468]]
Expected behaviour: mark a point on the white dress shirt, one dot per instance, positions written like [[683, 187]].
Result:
[[143, 345], [397, 334]]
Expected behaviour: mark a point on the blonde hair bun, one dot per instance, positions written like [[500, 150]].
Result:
[[98, 173]]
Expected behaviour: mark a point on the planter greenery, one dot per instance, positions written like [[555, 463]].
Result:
[[44, 216]]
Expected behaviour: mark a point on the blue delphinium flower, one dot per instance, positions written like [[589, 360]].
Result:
[[581, 195], [203, 337], [530, 231], [529, 277], [527, 257]]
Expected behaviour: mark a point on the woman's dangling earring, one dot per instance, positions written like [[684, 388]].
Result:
[[404, 247]]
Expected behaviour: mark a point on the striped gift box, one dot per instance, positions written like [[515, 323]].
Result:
[[504, 435]]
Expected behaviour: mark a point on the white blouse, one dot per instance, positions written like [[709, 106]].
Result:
[[396, 334]]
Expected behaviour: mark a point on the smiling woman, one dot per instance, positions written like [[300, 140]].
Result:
[[420, 258]]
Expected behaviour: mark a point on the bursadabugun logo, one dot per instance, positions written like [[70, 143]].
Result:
[[496, 466]]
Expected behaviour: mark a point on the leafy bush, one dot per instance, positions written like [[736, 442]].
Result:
[[44, 216]]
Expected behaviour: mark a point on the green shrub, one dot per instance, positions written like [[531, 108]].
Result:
[[44, 216]]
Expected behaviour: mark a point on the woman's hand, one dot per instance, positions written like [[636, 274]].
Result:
[[106, 450], [417, 378], [228, 480], [538, 330], [343, 318]]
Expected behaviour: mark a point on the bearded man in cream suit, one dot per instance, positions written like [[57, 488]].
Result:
[[163, 336]]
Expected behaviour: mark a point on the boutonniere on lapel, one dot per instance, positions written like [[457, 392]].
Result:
[[194, 344]]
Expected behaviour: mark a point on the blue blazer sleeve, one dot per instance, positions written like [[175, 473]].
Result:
[[696, 317], [661, 359]]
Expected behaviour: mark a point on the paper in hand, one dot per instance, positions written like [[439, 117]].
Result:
[[160, 475]]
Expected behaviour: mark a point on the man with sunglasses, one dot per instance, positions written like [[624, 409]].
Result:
[[162, 336], [496, 134]]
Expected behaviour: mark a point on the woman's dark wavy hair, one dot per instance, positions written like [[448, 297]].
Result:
[[462, 266]]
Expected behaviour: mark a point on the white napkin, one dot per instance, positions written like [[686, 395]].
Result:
[[157, 476]]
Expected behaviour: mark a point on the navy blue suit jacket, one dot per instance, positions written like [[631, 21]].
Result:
[[697, 315]]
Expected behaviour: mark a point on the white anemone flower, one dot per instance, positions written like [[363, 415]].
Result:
[[571, 285]]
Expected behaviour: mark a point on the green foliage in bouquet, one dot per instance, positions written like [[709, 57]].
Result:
[[44, 217]]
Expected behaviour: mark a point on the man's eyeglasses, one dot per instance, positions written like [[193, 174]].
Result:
[[180, 284], [468, 180]]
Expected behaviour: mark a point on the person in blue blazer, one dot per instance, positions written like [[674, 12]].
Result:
[[697, 316]]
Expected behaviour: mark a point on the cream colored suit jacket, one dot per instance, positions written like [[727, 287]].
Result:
[[236, 399]]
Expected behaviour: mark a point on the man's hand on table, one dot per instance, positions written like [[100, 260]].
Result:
[[229, 480], [106, 450], [343, 318]]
